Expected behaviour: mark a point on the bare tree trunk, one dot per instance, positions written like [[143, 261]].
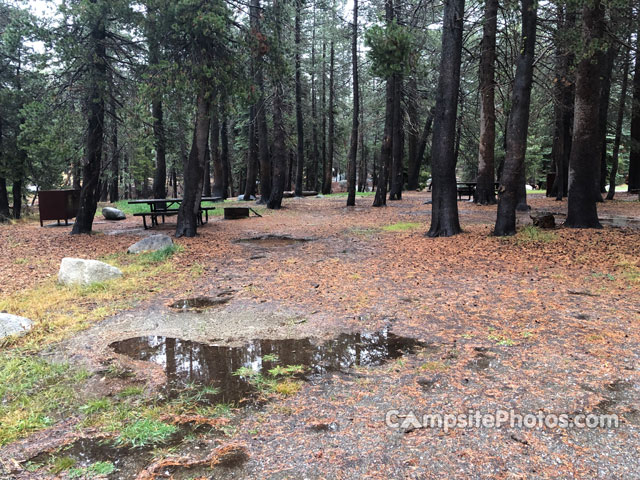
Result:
[[513, 173], [206, 189], [328, 167], [634, 156], [324, 119], [444, 216], [95, 131], [619, 120], [5, 214], [299, 121], [312, 180], [353, 150], [608, 59], [160, 174], [413, 137], [194, 172], [279, 150], [227, 178], [252, 157], [216, 158], [397, 143], [485, 193], [362, 170], [115, 154], [584, 163]]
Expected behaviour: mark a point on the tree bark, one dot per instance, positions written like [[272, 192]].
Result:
[[279, 150], [216, 158], [206, 188], [634, 156], [187, 224], [115, 154], [95, 132], [160, 174], [328, 165], [422, 146], [444, 213], [563, 103], [618, 134], [252, 157], [413, 137], [485, 192], [397, 143], [386, 148], [608, 60], [512, 181], [584, 163], [353, 150], [5, 214], [299, 120], [227, 178]]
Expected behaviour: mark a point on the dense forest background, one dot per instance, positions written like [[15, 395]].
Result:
[[156, 98]]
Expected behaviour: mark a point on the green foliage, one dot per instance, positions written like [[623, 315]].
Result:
[[60, 464], [390, 49], [98, 468], [401, 227], [530, 234], [145, 432]]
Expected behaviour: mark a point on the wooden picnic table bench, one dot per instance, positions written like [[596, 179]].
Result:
[[167, 207], [469, 188]]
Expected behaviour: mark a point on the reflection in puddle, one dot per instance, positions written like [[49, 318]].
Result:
[[198, 303], [187, 362], [268, 241]]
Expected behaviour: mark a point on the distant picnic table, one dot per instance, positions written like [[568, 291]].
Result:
[[469, 188], [166, 207]]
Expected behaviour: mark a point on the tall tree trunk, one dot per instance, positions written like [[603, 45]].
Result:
[[160, 174], [227, 176], [485, 193], [279, 149], [564, 87], [518, 124], [252, 157], [362, 170], [413, 137], [5, 214], [325, 188], [299, 121], [187, 224], [95, 132], [386, 149], [444, 213], [313, 176], [353, 150], [328, 166], [422, 146], [17, 198], [115, 154], [634, 156], [584, 163], [397, 143], [216, 158], [206, 188], [619, 120], [608, 59]]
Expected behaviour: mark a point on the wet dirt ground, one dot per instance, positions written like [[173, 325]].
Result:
[[386, 320]]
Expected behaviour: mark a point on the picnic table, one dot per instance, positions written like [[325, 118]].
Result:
[[166, 207], [469, 188]]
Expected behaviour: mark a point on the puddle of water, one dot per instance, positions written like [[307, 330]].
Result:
[[188, 363], [270, 241], [621, 222], [199, 303]]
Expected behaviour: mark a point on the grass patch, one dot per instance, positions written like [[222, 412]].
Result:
[[145, 432], [34, 393], [401, 227], [58, 311], [358, 194], [278, 379], [97, 469], [531, 234]]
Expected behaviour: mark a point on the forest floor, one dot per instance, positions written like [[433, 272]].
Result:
[[321, 320]]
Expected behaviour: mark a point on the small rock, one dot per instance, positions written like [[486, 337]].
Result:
[[241, 197], [428, 383], [77, 271], [13, 325], [544, 220], [151, 244], [110, 213]]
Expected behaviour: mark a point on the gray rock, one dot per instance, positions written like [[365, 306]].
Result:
[[77, 271], [151, 244], [111, 213], [241, 197], [13, 325]]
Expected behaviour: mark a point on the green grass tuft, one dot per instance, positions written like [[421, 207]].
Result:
[[401, 227], [145, 432], [531, 234]]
